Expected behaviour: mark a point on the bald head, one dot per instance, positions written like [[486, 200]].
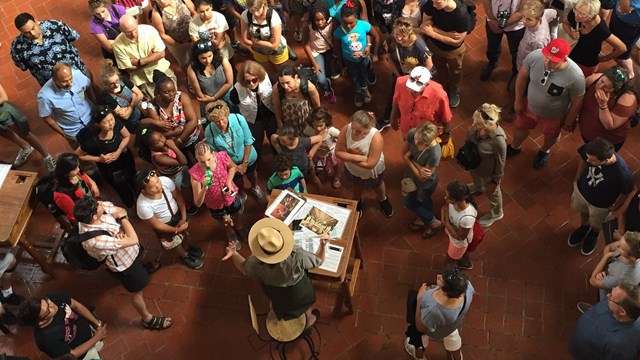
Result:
[[129, 26], [62, 75]]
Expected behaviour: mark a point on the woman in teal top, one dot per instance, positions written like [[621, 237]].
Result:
[[230, 133]]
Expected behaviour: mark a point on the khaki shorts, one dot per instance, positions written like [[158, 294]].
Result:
[[597, 215], [11, 116], [452, 342]]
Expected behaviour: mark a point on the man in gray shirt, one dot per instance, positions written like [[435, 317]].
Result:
[[620, 263], [281, 267], [555, 89]]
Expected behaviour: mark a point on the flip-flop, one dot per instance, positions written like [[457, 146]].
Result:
[[157, 323], [415, 227]]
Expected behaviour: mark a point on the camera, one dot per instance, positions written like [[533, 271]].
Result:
[[503, 16]]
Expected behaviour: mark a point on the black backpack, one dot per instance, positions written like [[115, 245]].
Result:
[[44, 193], [473, 18], [468, 155], [306, 74], [268, 18], [75, 254]]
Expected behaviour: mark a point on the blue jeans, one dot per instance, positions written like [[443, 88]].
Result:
[[359, 73], [324, 61], [422, 207]]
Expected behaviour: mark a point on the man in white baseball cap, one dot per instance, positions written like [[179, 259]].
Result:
[[418, 99], [281, 267]]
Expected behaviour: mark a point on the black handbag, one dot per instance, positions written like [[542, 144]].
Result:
[[468, 155]]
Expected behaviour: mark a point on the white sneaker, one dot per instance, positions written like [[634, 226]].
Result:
[[411, 350], [259, 194], [486, 220], [22, 156], [50, 162]]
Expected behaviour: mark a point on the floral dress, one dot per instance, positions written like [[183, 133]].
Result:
[[176, 24], [295, 111]]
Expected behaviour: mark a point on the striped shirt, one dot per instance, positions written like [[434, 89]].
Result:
[[118, 258]]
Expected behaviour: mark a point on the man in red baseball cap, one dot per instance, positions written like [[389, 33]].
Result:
[[555, 89]]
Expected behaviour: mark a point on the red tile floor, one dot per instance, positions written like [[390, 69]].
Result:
[[527, 279]]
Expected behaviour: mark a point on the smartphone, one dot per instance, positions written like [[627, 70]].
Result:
[[226, 191]]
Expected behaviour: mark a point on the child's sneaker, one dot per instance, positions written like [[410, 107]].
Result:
[[330, 95], [358, 99], [366, 95]]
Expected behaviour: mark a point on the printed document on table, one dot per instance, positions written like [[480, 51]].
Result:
[[339, 213], [4, 171], [311, 242], [332, 258]]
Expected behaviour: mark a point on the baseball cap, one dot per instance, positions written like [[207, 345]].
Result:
[[557, 50], [419, 78]]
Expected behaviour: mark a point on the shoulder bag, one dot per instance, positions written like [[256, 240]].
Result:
[[167, 240]]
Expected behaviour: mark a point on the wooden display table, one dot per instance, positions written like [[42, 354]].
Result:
[[347, 273]]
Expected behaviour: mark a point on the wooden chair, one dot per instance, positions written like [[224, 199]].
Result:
[[284, 332], [65, 228]]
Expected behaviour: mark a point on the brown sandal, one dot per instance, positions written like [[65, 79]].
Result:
[[430, 232]]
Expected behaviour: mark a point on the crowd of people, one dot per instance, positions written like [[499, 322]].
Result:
[[235, 64]]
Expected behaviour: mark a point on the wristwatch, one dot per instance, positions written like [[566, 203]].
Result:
[[122, 218]]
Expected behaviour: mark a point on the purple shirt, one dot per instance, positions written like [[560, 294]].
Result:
[[110, 29]]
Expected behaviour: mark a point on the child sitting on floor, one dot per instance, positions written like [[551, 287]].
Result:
[[286, 176], [320, 120]]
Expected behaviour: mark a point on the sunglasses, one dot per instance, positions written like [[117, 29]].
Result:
[[151, 174], [484, 114], [416, 80], [454, 274], [545, 76], [103, 112], [618, 75], [215, 107], [252, 81], [404, 24], [204, 45]]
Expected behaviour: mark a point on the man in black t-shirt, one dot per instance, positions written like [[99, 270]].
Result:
[[446, 23], [62, 326], [602, 183]]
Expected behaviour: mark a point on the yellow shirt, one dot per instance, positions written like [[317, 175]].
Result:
[[149, 41]]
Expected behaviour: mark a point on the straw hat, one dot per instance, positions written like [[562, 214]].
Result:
[[271, 240]]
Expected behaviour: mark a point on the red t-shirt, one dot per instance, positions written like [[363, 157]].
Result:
[[432, 105], [590, 125], [66, 203]]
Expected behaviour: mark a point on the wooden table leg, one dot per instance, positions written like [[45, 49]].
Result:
[[347, 297], [358, 249], [37, 256]]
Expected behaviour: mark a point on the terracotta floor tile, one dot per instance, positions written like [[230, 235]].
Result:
[[527, 280]]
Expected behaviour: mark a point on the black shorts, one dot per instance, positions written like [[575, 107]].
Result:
[[135, 278], [227, 210]]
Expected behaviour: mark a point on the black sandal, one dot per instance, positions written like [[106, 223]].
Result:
[[415, 227], [152, 267], [157, 323]]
